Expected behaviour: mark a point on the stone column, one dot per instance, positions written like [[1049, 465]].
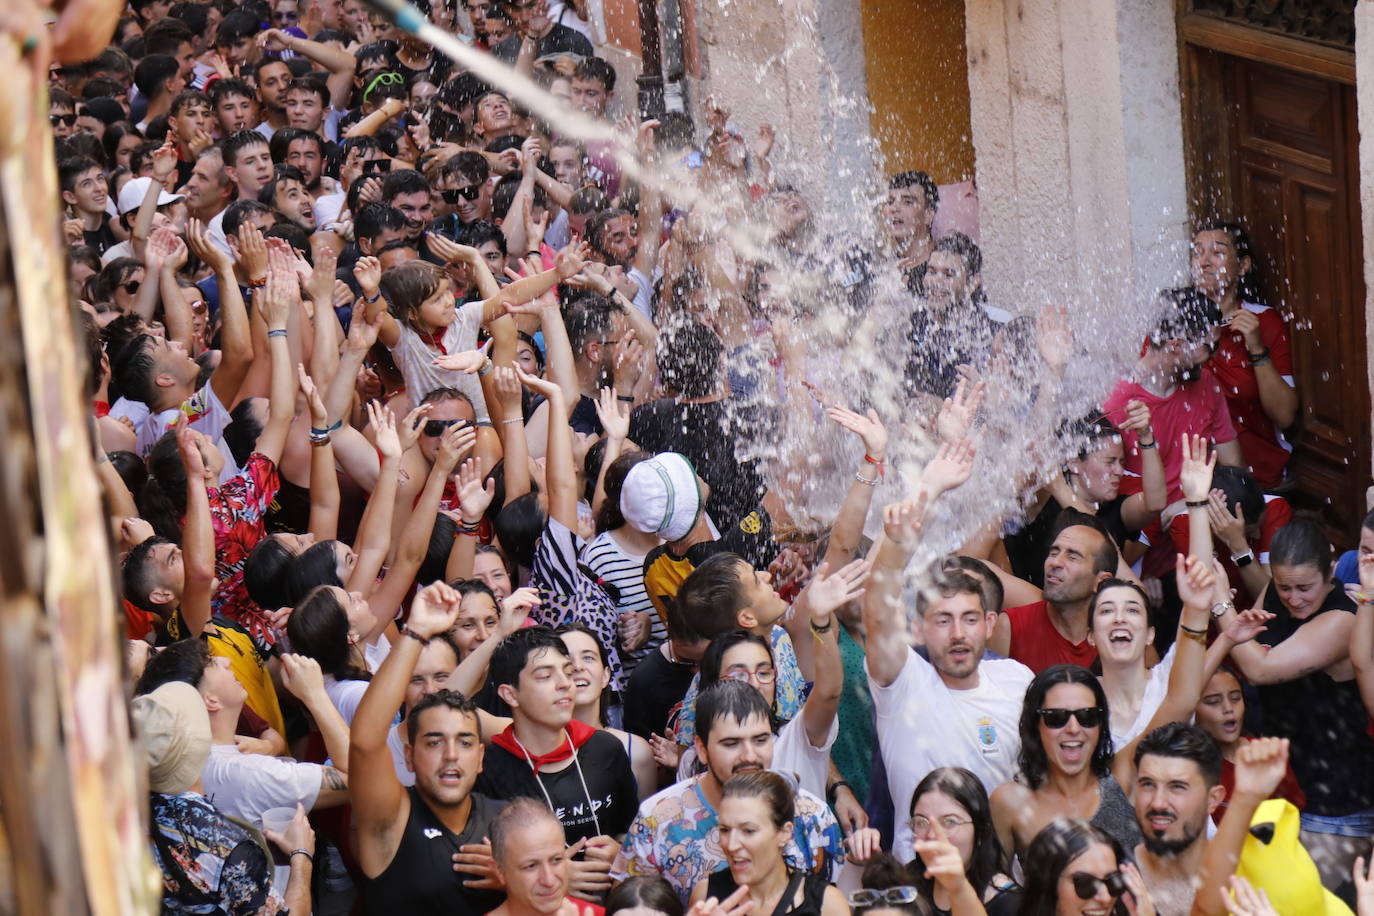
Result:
[[1077, 130]]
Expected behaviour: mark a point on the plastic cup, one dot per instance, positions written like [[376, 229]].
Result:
[[278, 819]]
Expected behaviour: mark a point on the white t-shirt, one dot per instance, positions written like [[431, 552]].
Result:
[[1155, 690], [246, 785], [345, 695], [415, 359], [396, 742], [327, 209], [923, 724], [793, 752], [204, 413]]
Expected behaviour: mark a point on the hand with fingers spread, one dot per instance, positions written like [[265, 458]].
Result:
[[469, 362], [1195, 474], [571, 260], [1228, 526], [950, 468], [206, 250], [613, 413], [1054, 337], [902, 521], [368, 272], [408, 430], [829, 591], [449, 250], [667, 752], [476, 859], [252, 251], [958, 412], [383, 423], [319, 286], [456, 442], [866, 426], [165, 161], [1246, 900], [166, 250], [1247, 625], [474, 495]]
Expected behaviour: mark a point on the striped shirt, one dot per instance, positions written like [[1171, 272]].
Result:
[[605, 557]]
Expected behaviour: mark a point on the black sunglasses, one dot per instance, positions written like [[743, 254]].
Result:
[[66, 120], [1088, 717], [1086, 885], [376, 165], [131, 287], [435, 428], [469, 193]]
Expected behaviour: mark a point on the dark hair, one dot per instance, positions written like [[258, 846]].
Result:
[[138, 574], [649, 891], [188, 97], [715, 654], [130, 469], [166, 36], [235, 27], [223, 88], [966, 248], [1114, 582], [481, 231], [994, 595], [518, 527], [768, 787], [709, 600], [727, 698], [596, 228], [312, 84], [313, 567], [590, 320], [917, 180], [1301, 543], [448, 699], [69, 169], [1054, 847], [243, 429], [318, 628], [237, 213], [968, 792], [513, 653], [1186, 741], [295, 236], [113, 134], [163, 499], [153, 72], [594, 68], [435, 562], [609, 517], [1032, 760], [577, 627], [1188, 315], [404, 181], [183, 661], [468, 164], [689, 358], [375, 218], [1240, 487], [948, 583], [240, 140], [266, 571], [1247, 290], [281, 141], [1106, 558]]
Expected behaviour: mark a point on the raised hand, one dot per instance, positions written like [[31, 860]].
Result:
[[206, 250], [902, 520], [571, 260], [362, 334], [456, 442], [1054, 337], [737, 904], [1260, 766], [866, 426], [1138, 420], [828, 591], [166, 249], [134, 531], [1228, 526], [943, 863], [188, 445], [252, 251], [958, 412], [950, 468], [538, 385], [666, 751], [516, 608], [613, 414], [1246, 900], [1195, 475], [320, 285], [449, 250], [368, 272], [627, 362], [165, 160], [1364, 887], [302, 675], [507, 386], [474, 496], [383, 423], [434, 610], [1195, 581], [319, 416], [408, 430], [1247, 625]]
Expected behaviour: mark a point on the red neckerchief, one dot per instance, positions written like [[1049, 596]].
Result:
[[578, 732], [434, 340], [102, 408]]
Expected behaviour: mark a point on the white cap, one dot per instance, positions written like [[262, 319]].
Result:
[[662, 496], [135, 189]]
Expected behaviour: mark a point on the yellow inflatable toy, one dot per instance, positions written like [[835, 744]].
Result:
[[1273, 858]]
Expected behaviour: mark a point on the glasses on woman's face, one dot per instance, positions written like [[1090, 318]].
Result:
[[763, 674], [1086, 885], [889, 896], [949, 822], [1088, 717]]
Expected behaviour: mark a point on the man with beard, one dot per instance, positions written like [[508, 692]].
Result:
[[286, 194], [272, 77], [1054, 630], [1177, 787], [957, 708], [305, 150], [411, 840], [952, 329], [676, 835]]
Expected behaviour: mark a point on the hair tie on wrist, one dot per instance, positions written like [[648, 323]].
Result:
[[301, 852], [316, 431], [1197, 503], [277, 332]]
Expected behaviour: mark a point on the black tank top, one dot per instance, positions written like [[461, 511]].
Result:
[[721, 884], [420, 878], [1332, 754]]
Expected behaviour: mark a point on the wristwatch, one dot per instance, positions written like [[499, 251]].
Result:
[[1221, 607], [1243, 559]]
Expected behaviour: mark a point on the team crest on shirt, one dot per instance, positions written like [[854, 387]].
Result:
[[751, 523], [987, 735]]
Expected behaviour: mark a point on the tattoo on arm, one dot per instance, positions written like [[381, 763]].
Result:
[[333, 780]]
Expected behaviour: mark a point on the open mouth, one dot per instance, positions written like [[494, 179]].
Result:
[[1160, 821], [1073, 751], [450, 777], [1121, 636], [581, 683]]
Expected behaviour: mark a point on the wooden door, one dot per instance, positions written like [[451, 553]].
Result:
[[1281, 157]]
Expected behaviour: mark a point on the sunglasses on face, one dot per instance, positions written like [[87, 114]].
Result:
[[372, 166], [66, 120], [891, 896], [199, 306], [1086, 885], [435, 428], [1088, 716], [285, 16], [469, 193]]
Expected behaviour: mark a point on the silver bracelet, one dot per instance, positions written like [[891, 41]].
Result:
[[859, 478]]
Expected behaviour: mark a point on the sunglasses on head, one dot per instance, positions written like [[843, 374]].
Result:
[[66, 120], [1086, 885], [435, 428], [469, 193], [1088, 716], [889, 896]]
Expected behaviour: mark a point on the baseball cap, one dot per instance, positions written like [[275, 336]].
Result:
[[135, 189], [662, 496], [176, 732]]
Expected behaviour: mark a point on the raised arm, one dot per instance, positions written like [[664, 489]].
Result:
[[340, 63], [368, 273], [526, 289], [279, 297], [1195, 478], [1144, 507], [324, 478], [470, 674], [374, 531], [470, 257], [325, 329], [615, 420], [818, 601], [236, 341], [514, 446], [560, 477], [304, 679], [1229, 528], [197, 535], [380, 807], [339, 393], [848, 529], [474, 498]]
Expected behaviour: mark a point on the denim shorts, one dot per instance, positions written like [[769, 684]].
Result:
[[1357, 824]]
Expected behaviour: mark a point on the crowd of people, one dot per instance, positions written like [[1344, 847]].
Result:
[[452, 580]]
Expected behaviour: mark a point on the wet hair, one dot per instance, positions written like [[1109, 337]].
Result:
[[311, 84], [138, 574], [240, 140], [594, 68], [595, 230], [590, 320], [1187, 315], [166, 36], [448, 699], [948, 583], [281, 141], [135, 368], [709, 600], [609, 517], [375, 218], [130, 469], [1052, 850], [295, 236], [315, 566], [183, 661], [1186, 741], [994, 595], [153, 72], [589, 199], [881, 872], [318, 628], [224, 88], [187, 98], [513, 653], [407, 286], [266, 572], [235, 27], [966, 248], [405, 181], [689, 358], [648, 891], [920, 180], [767, 786], [1106, 558], [521, 812], [468, 165], [481, 231], [1248, 287], [1034, 763], [968, 792], [1301, 543], [1240, 487], [727, 698]]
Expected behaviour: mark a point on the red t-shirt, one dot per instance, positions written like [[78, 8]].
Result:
[[1197, 407], [1277, 513], [583, 908], [1288, 789], [1265, 449], [1036, 644]]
